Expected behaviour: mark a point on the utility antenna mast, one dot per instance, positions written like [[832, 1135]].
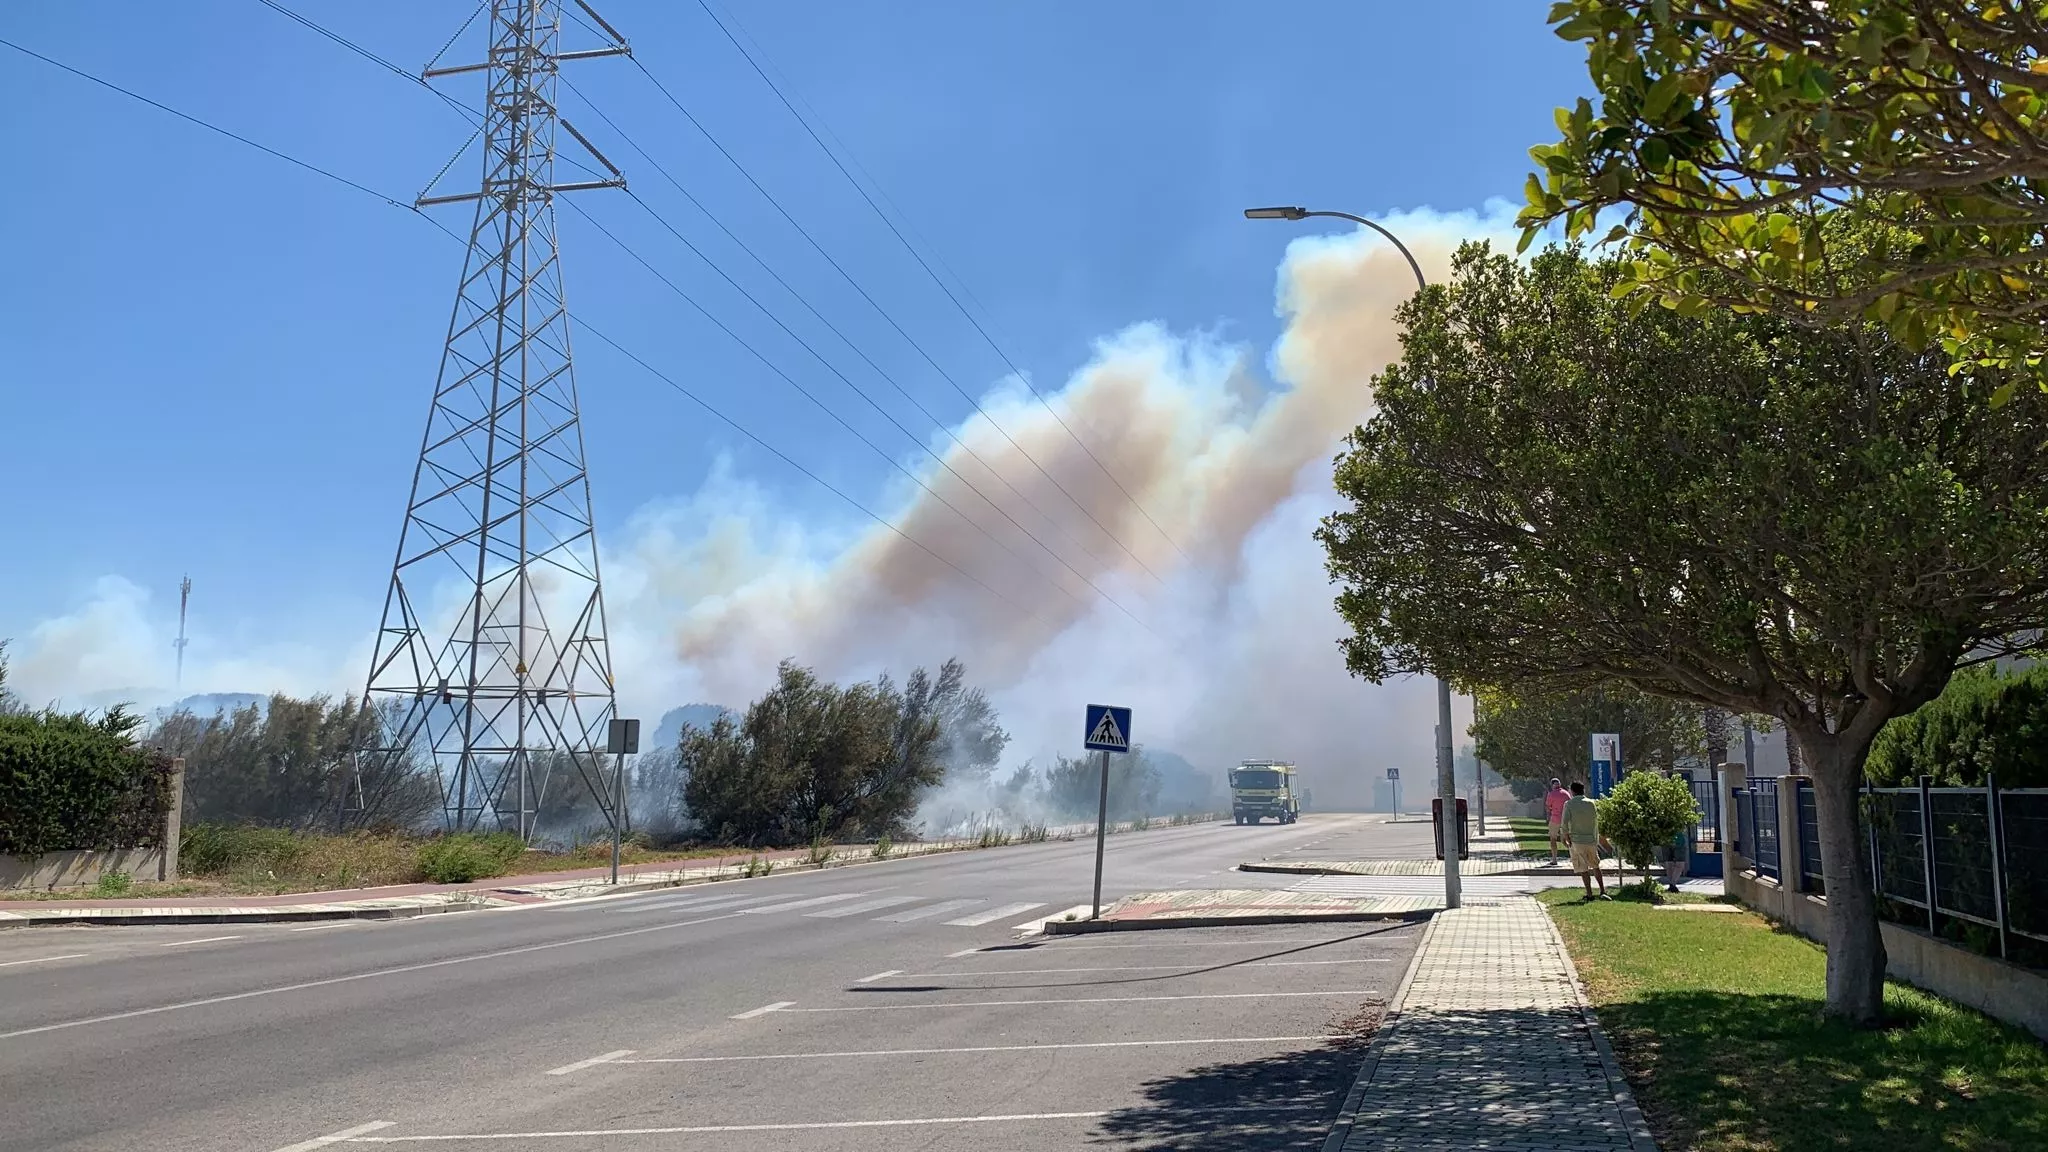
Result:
[[184, 602], [492, 658]]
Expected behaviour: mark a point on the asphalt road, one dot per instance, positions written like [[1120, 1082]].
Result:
[[877, 1006]]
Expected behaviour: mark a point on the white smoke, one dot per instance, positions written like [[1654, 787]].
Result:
[[1221, 633]]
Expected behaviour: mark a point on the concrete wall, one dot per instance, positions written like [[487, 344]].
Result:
[[1992, 986], [73, 869]]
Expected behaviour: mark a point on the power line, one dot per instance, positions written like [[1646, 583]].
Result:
[[380, 61], [844, 339], [884, 314], [841, 420], [368, 191], [943, 287]]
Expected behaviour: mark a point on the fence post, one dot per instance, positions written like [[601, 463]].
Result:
[[1927, 846], [174, 824], [1869, 815], [1791, 861], [1994, 821]]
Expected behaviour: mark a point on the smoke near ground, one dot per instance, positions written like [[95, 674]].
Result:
[[1216, 624]]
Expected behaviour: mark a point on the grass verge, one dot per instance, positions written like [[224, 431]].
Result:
[[1716, 1020], [1531, 835]]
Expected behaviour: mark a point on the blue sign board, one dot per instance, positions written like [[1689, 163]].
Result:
[[1606, 764], [1109, 729], [1393, 773]]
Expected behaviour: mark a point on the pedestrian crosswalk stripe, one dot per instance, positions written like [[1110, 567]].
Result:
[[812, 902], [865, 906], [940, 908], [980, 918]]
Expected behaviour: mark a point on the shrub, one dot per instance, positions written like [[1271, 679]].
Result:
[[114, 883], [1034, 834], [206, 849], [69, 781], [1982, 722], [464, 856], [1645, 812], [882, 848]]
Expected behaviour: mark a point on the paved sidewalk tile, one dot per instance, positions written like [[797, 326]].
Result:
[[1491, 1046]]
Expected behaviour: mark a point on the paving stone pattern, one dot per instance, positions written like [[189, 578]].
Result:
[[1492, 1047]]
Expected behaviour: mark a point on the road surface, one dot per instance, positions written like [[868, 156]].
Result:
[[875, 1006]]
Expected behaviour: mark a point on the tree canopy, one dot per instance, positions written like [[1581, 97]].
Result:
[[1741, 135], [1983, 722], [1535, 735], [1817, 524]]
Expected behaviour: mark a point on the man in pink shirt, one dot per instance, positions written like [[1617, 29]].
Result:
[[1553, 807]]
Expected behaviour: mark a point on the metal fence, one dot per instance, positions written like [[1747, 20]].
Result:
[[1976, 855]]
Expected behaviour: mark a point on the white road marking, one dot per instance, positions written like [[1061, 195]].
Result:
[[939, 909], [593, 1062], [203, 940], [712, 1129], [324, 924], [962, 952], [987, 1048], [980, 918], [1190, 969], [44, 959], [209, 1001], [879, 976], [1038, 925], [335, 1137], [865, 906], [698, 904], [1363, 993], [763, 1010], [1064, 946], [810, 903]]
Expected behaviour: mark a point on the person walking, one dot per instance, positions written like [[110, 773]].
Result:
[[1582, 826], [1553, 808]]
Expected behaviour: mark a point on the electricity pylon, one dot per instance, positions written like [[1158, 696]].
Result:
[[492, 658]]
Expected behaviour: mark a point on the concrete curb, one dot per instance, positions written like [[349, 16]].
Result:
[[72, 917], [1340, 1130], [1639, 1137], [1161, 923]]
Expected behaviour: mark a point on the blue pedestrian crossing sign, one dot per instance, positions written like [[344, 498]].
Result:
[[1109, 729]]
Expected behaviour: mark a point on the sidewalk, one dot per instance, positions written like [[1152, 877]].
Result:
[[1218, 908], [1490, 1045]]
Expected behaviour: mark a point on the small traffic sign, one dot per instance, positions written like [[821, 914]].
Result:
[[622, 738], [1393, 773], [1108, 730]]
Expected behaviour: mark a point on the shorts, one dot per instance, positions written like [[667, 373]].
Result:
[[1585, 858], [1557, 829]]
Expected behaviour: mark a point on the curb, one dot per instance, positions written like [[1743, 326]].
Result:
[[1313, 870], [86, 916], [1162, 923], [1390, 1023]]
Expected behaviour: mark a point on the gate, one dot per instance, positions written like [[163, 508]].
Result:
[[1705, 838]]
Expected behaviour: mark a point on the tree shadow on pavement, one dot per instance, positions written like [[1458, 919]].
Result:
[[1284, 1101]]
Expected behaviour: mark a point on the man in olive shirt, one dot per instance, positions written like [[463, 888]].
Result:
[[1582, 825]]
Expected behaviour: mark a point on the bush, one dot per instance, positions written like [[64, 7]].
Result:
[[1982, 722], [220, 848], [114, 883], [883, 848], [1645, 812], [69, 781], [461, 857]]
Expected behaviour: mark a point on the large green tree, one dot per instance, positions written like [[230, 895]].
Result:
[[1742, 134], [1535, 735], [1814, 524]]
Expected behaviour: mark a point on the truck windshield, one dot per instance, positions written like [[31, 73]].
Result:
[[1256, 778]]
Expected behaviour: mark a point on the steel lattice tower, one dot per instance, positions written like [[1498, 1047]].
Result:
[[492, 658]]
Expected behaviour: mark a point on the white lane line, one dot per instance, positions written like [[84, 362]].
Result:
[[865, 906], [401, 969], [1038, 925], [711, 1129], [810, 903], [763, 1010], [879, 976], [203, 940], [1064, 946], [980, 918], [593, 1062], [44, 959], [323, 924], [1190, 969], [986, 1048], [939, 909], [1362, 993], [335, 1137]]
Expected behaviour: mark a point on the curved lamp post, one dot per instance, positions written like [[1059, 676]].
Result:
[[1446, 771]]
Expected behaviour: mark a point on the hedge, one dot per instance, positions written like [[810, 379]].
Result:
[[69, 781], [1984, 722]]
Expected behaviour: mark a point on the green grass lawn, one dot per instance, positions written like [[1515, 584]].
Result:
[[1716, 1019], [1531, 835]]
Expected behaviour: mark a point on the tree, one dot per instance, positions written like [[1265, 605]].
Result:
[[1537, 735], [1646, 811], [970, 739], [1815, 524], [1074, 786], [1736, 131]]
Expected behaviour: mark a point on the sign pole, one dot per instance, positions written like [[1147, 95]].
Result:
[[622, 739], [1101, 834]]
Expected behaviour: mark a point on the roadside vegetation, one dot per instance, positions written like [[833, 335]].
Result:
[[1717, 1021]]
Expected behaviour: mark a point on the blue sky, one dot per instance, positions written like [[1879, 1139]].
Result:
[[218, 364]]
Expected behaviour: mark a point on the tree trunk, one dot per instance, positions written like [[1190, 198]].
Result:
[[1856, 957]]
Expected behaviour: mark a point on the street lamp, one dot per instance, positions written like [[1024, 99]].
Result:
[[1446, 769]]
